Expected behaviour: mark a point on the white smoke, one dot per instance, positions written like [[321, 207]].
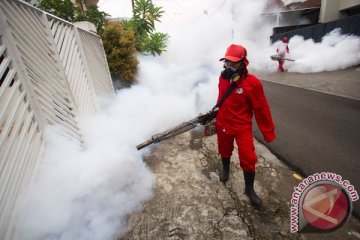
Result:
[[84, 193], [87, 193], [335, 52]]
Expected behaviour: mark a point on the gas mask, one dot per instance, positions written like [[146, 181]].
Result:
[[229, 72]]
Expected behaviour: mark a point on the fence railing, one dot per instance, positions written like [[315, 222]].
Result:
[[51, 73]]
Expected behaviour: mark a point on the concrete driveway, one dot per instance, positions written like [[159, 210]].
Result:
[[189, 201]]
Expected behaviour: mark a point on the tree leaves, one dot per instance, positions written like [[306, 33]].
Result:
[[155, 43], [66, 10], [92, 14], [143, 23]]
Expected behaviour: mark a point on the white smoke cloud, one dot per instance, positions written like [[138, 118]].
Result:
[[86, 193], [335, 52]]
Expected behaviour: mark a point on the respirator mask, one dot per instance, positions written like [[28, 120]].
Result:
[[229, 72]]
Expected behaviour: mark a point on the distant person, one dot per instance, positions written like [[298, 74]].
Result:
[[234, 118], [281, 51]]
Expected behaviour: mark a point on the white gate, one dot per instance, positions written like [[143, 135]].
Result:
[[51, 72]]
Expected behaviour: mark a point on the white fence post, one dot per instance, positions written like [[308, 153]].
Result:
[[51, 73], [95, 57], [75, 66], [21, 126]]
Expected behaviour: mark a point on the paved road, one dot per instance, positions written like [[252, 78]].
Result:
[[316, 132]]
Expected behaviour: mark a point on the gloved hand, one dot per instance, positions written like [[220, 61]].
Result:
[[208, 117], [269, 137]]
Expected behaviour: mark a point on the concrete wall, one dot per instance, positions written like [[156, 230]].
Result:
[[330, 9], [87, 26], [91, 2], [348, 4]]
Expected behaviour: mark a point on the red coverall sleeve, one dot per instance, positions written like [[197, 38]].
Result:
[[261, 111]]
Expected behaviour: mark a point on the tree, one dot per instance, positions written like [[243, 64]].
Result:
[[119, 45], [119, 42], [155, 43], [143, 24], [64, 9], [132, 5], [93, 15]]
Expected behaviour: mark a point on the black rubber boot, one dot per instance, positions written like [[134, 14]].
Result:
[[249, 189], [224, 171]]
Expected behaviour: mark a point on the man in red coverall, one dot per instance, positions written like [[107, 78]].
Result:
[[234, 118], [281, 51]]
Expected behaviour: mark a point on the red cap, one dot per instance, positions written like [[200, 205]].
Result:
[[284, 39], [235, 53]]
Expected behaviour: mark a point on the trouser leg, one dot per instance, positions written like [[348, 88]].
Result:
[[248, 159], [280, 67], [246, 150], [225, 146]]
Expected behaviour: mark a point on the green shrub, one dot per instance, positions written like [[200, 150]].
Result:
[[119, 45]]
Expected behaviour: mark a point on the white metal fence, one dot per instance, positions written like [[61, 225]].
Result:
[[51, 72]]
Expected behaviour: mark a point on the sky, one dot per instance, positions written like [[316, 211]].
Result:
[[116, 8], [85, 193]]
